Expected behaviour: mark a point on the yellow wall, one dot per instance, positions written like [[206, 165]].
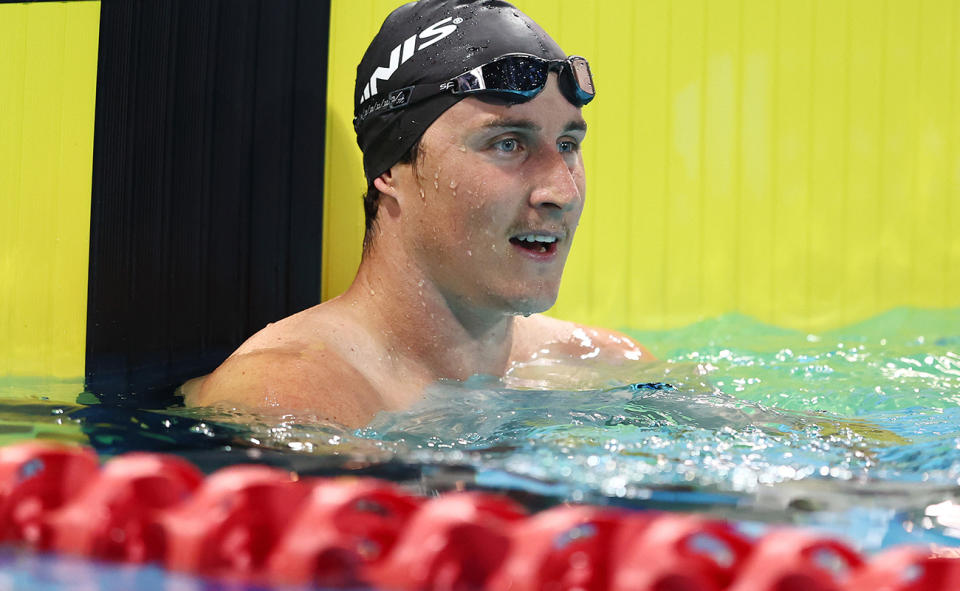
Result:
[[794, 160], [48, 63]]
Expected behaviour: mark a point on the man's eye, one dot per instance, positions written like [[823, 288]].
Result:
[[567, 146], [507, 145]]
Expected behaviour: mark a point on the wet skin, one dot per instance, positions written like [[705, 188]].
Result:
[[489, 174], [469, 247]]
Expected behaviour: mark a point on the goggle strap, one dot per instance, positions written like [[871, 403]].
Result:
[[400, 98]]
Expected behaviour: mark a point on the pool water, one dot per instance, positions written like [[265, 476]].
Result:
[[854, 431]]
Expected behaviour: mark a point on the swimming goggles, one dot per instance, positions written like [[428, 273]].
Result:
[[515, 77]]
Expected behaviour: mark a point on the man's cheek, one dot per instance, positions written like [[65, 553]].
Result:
[[482, 222]]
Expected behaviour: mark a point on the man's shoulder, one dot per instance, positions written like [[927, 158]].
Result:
[[272, 372], [571, 339], [293, 333]]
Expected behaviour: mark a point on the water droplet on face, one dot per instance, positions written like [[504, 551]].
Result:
[[420, 283], [422, 196], [469, 253], [372, 292], [453, 184], [462, 148]]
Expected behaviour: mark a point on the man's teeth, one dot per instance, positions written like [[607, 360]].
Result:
[[536, 238]]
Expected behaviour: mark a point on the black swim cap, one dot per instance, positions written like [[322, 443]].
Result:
[[426, 42]]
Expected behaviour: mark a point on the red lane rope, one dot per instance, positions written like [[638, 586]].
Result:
[[265, 525]]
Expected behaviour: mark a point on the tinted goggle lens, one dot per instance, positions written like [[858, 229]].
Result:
[[517, 74]]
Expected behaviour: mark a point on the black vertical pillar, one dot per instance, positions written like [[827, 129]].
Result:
[[207, 184]]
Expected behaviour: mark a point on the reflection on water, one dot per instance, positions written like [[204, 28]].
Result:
[[858, 428]]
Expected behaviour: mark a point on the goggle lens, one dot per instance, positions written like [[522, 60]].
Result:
[[520, 74]]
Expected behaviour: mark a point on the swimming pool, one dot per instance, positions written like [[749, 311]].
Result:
[[855, 432]]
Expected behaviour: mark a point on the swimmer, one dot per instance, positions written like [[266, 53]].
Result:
[[469, 118]]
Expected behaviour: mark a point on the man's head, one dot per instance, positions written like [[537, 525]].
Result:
[[468, 115]]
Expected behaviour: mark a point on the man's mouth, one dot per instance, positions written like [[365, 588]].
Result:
[[536, 243]]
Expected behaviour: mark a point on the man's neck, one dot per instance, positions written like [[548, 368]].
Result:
[[423, 329]]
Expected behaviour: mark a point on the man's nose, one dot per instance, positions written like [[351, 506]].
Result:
[[556, 183]]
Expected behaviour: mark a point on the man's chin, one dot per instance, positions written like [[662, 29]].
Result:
[[528, 306]]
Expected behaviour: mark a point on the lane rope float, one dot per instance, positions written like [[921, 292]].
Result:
[[264, 525]]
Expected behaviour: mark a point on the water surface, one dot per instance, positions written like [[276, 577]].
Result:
[[856, 431]]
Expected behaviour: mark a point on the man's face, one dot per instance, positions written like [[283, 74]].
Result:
[[491, 207]]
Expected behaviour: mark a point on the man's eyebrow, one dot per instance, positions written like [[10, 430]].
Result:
[[511, 123], [528, 125], [578, 125]]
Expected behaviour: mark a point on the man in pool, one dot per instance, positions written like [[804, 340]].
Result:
[[469, 118]]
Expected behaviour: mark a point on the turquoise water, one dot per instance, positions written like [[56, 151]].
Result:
[[854, 431]]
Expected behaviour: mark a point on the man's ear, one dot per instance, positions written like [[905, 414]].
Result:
[[386, 184], [390, 194]]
